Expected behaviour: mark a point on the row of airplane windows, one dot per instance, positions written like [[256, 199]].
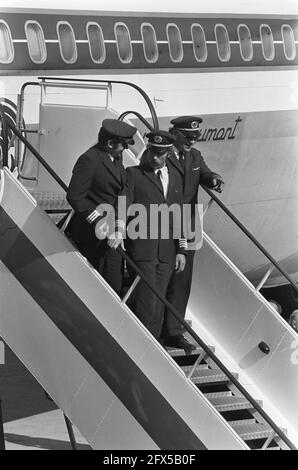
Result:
[[97, 45]]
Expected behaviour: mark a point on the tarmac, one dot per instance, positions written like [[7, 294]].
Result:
[[31, 421]]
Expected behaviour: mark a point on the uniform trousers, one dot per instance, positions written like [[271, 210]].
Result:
[[178, 294], [144, 303], [105, 260]]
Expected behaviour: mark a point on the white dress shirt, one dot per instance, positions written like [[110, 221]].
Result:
[[164, 178]]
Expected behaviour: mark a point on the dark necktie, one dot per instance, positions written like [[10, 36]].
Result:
[[159, 177], [181, 159], [116, 163]]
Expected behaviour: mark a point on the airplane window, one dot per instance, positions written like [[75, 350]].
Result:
[[267, 42], [96, 43], [199, 42], [149, 42], [222, 42], [67, 42], [175, 43], [123, 43], [36, 43], [6, 45], [288, 42], [245, 42]]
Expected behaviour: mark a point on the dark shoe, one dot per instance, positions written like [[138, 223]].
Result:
[[181, 343]]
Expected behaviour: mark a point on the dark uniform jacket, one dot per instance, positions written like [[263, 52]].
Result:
[[95, 180], [143, 187], [195, 172]]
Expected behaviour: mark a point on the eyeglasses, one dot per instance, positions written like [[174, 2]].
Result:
[[191, 137], [126, 143]]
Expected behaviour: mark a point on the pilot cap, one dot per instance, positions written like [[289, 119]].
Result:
[[187, 123], [118, 129], [160, 139]]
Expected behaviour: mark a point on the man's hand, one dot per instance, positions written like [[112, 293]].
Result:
[[115, 239], [101, 230], [180, 263], [217, 184]]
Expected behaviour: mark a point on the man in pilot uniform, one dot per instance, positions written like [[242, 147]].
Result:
[[153, 182], [194, 171], [98, 177]]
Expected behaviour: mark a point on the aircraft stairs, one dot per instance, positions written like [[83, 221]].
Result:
[[74, 334], [235, 409], [241, 420]]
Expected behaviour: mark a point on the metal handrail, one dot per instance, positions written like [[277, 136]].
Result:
[[139, 116], [4, 136], [208, 351], [251, 237], [167, 304], [119, 82], [35, 153]]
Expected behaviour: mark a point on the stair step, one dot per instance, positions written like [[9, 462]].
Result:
[[50, 199], [187, 369], [175, 352], [218, 394], [230, 403], [249, 429], [241, 422], [203, 375]]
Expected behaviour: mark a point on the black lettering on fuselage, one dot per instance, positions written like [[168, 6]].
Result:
[[223, 133]]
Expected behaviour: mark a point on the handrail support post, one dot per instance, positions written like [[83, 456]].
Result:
[[264, 279], [131, 289], [71, 435], [197, 362]]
